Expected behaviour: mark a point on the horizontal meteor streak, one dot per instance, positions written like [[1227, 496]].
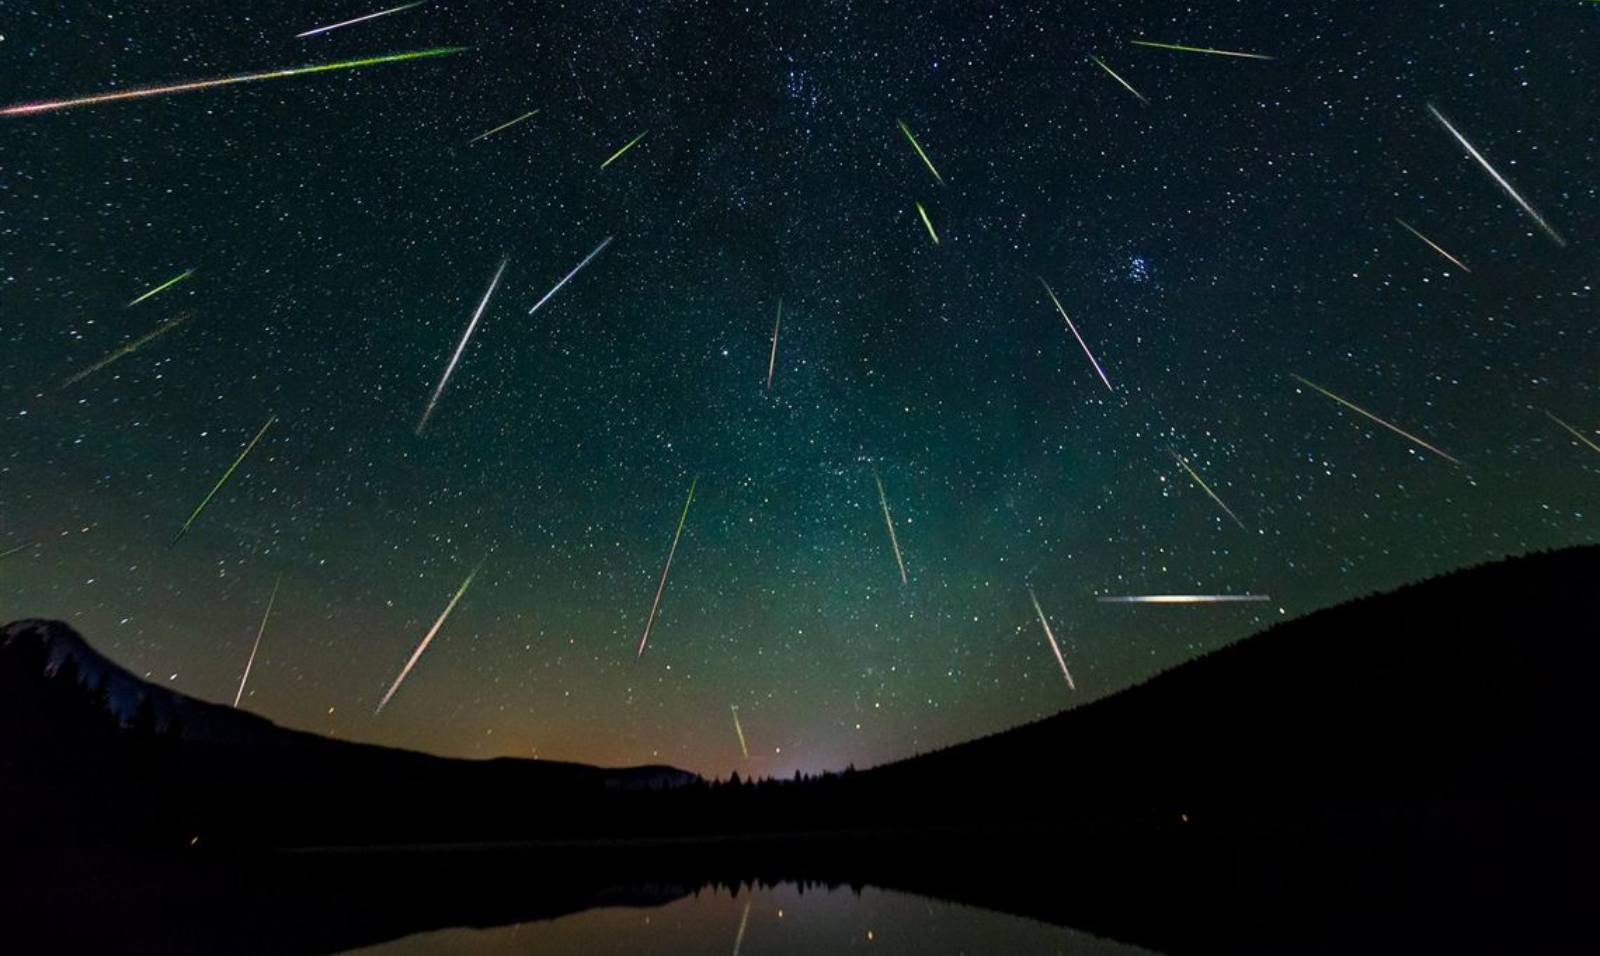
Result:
[[1050, 636], [568, 277], [1394, 428], [1206, 488], [160, 288], [616, 155], [48, 106], [1198, 49], [370, 16], [18, 549], [1084, 345], [772, 361], [651, 620], [502, 126], [1575, 433], [461, 347], [918, 147], [416, 654], [1113, 74], [222, 481], [1509, 189], [257, 646], [740, 731], [1433, 245], [894, 541], [127, 348], [928, 223], [1184, 599]]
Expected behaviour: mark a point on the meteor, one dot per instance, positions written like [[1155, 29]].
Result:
[[1206, 488], [1575, 434], [927, 222], [1394, 428], [738, 939], [127, 348], [18, 549], [1433, 245], [740, 731], [370, 16], [461, 347], [1049, 636], [1098, 370], [1198, 49], [48, 106], [1509, 189], [222, 481], [650, 621], [772, 362], [569, 275], [424, 645], [1113, 74], [502, 126], [1184, 598], [918, 147], [162, 287], [616, 155], [893, 541], [257, 646]]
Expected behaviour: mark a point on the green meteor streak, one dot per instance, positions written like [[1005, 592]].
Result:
[[160, 288], [918, 147], [618, 153], [48, 106], [1198, 49], [927, 222], [222, 481], [127, 349], [502, 126]]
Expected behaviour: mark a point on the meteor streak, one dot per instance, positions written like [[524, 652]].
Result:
[[1098, 370], [1206, 488], [918, 147], [569, 275], [738, 939], [1433, 245], [461, 347], [424, 645], [772, 362], [1394, 428], [927, 222], [650, 621], [502, 126], [893, 540], [370, 16], [1113, 74], [1198, 49], [18, 549], [127, 348], [1050, 636], [222, 481], [1575, 434], [1509, 189], [257, 646], [163, 286], [740, 731], [47, 106], [1184, 598], [618, 153]]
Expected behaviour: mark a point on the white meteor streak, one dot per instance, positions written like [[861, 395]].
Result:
[[257, 646], [1113, 74], [424, 645], [1098, 370], [460, 347], [362, 19], [1433, 245], [772, 361], [575, 269], [676, 535], [893, 540], [738, 939], [1050, 636], [740, 731], [1580, 436], [1394, 428], [1509, 189], [1184, 598], [1206, 488]]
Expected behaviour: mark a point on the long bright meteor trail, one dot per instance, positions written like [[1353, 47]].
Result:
[[1575, 433], [616, 155], [918, 147], [502, 126], [429, 637], [126, 349], [222, 481], [370, 16], [772, 361], [257, 645], [47, 106], [1509, 189], [740, 731], [1198, 49], [568, 278], [1098, 370], [1050, 636], [893, 540], [1394, 428], [461, 347], [1433, 245], [654, 605], [928, 223], [738, 939], [1206, 488], [161, 288], [1113, 74], [1184, 598]]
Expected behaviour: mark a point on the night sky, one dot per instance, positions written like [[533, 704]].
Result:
[[1237, 230]]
